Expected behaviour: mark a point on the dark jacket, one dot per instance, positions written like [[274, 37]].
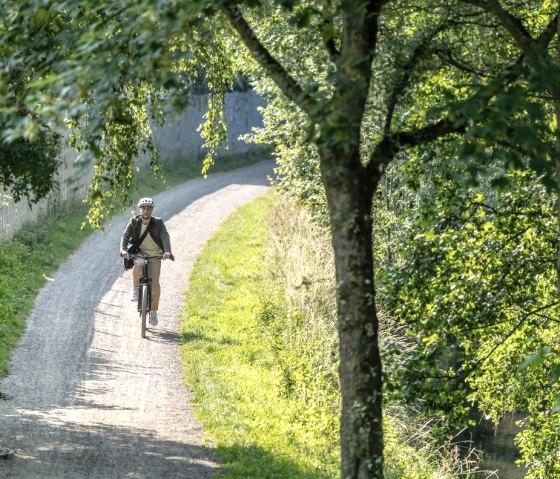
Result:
[[158, 232]]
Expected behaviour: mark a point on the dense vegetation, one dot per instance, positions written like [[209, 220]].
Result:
[[260, 353], [467, 273], [480, 284]]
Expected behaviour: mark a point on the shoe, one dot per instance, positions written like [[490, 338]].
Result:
[[135, 293], [153, 318]]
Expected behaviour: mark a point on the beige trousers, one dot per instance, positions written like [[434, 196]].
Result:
[[154, 269]]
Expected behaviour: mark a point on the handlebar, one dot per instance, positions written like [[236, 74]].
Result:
[[141, 256]]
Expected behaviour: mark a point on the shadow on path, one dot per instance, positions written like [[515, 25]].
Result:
[[104, 452]]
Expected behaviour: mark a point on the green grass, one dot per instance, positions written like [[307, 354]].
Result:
[[25, 264], [238, 387], [253, 356]]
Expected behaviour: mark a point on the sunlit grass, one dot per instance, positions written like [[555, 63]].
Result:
[[259, 350], [229, 362]]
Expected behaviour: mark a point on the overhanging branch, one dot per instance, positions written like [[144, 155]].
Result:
[[511, 23], [326, 27], [473, 367], [273, 68], [418, 52], [394, 142]]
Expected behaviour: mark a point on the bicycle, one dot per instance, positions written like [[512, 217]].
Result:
[[145, 291]]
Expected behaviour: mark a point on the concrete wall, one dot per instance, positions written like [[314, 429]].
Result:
[[179, 138]]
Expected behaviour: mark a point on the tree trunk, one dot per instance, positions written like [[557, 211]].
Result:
[[557, 176], [349, 195], [556, 95]]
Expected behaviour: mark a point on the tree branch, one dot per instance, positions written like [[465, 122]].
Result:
[[354, 65], [392, 143], [447, 55], [116, 14], [326, 29], [359, 37], [473, 367], [511, 23], [334, 54], [548, 33], [398, 88], [273, 68]]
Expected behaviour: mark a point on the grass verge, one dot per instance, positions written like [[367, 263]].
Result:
[[25, 264], [238, 387], [259, 351]]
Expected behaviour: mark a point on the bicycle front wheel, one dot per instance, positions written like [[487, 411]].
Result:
[[144, 308]]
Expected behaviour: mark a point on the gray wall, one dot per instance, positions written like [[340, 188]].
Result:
[[179, 138]]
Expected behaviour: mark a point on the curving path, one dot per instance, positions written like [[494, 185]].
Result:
[[87, 396]]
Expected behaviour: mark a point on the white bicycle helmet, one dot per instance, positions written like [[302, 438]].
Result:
[[146, 202]]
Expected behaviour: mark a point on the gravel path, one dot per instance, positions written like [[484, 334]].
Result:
[[88, 397]]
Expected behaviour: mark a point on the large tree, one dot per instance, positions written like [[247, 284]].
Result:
[[339, 104], [368, 82]]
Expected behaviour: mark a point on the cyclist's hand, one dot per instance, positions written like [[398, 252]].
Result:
[[166, 255], [124, 254]]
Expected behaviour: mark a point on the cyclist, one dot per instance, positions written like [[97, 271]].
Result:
[[156, 242]]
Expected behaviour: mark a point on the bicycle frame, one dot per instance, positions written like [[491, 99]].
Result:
[[145, 290]]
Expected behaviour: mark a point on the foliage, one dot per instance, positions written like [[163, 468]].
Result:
[[28, 163], [28, 167], [108, 70], [110, 63], [297, 171], [479, 300]]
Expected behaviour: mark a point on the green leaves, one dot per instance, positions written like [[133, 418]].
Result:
[[478, 298], [28, 167], [100, 67], [534, 361]]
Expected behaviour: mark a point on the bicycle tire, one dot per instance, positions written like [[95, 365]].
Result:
[[144, 308]]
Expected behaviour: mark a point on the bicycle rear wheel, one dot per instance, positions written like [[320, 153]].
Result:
[[144, 308]]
